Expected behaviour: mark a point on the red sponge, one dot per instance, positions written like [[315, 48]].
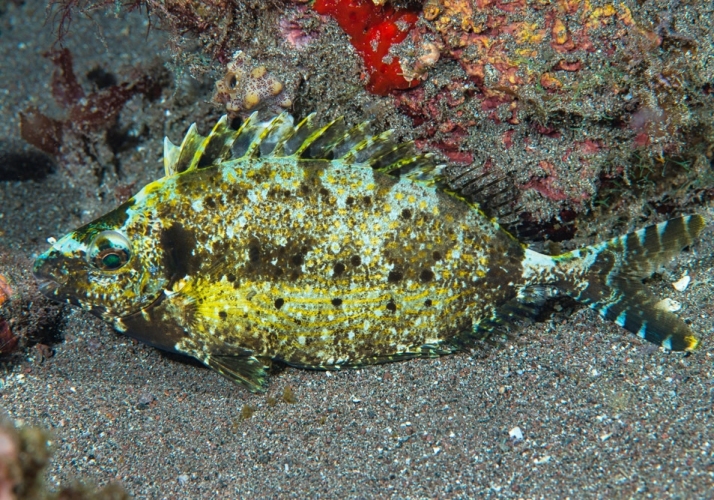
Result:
[[373, 30]]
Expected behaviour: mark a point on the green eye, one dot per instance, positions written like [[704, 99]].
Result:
[[109, 251]]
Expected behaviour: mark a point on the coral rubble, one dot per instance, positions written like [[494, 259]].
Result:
[[248, 86], [26, 317]]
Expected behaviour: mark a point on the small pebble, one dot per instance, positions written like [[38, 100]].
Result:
[[682, 283], [145, 399], [668, 305], [516, 434]]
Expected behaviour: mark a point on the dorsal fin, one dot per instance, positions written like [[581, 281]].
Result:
[[357, 146], [493, 192], [279, 138]]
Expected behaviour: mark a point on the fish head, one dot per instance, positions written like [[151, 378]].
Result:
[[109, 267]]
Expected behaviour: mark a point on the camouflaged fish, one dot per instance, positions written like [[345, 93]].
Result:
[[324, 247]]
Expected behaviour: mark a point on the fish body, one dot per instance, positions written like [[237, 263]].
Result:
[[302, 244]]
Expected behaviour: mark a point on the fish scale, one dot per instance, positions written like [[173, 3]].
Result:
[[324, 247]]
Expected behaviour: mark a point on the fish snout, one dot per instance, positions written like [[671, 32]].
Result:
[[46, 275]]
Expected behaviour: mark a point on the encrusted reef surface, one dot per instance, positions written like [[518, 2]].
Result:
[[573, 121], [586, 103]]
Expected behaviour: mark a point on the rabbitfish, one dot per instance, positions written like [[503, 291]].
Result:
[[324, 247]]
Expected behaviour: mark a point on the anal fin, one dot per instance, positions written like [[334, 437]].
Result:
[[423, 351]]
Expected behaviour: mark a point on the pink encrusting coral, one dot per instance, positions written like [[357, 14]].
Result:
[[292, 28]]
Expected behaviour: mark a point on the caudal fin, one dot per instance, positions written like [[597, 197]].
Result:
[[607, 277]]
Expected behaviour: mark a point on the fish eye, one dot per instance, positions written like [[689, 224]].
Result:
[[109, 251]]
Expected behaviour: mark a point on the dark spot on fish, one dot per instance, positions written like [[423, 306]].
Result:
[[231, 277], [349, 201], [355, 260], [336, 302], [294, 275], [254, 253], [278, 272], [426, 275], [297, 259], [338, 269], [219, 247], [304, 188], [367, 200], [156, 330], [324, 192], [394, 276], [436, 256], [178, 244], [223, 314], [279, 303], [391, 306], [210, 202], [427, 302], [202, 238], [406, 213]]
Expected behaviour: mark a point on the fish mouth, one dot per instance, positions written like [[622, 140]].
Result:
[[53, 291], [46, 282], [47, 286]]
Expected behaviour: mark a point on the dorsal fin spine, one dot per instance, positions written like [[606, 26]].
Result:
[[247, 132], [303, 128], [313, 137], [215, 134], [276, 132], [376, 141], [171, 156], [190, 143], [348, 141]]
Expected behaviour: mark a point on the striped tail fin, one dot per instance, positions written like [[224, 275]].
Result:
[[607, 277]]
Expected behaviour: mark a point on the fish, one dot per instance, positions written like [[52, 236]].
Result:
[[326, 247]]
